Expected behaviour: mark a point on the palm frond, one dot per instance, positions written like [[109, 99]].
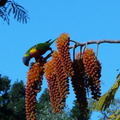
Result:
[[104, 101], [20, 14], [3, 14]]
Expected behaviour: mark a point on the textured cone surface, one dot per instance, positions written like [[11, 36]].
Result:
[[33, 86], [53, 86], [57, 82], [78, 83], [93, 71], [63, 48]]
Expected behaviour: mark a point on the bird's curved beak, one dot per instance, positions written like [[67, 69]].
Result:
[[26, 60]]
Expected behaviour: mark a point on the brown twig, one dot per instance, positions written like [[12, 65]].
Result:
[[93, 42]]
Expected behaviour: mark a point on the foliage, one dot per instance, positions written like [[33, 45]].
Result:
[[11, 7], [44, 96], [17, 100], [12, 100], [112, 112], [4, 97], [17, 91], [105, 100], [74, 112], [115, 115], [44, 109], [12, 105], [4, 88], [4, 84]]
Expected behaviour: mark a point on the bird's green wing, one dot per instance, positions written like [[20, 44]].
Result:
[[44, 46]]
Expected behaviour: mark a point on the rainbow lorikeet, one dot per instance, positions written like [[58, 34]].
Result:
[[37, 51]]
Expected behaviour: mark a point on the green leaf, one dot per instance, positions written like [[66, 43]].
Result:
[[104, 101], [115, 116]]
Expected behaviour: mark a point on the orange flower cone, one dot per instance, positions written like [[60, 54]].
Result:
[[53, 86], [63, 48], [78, 83], [57, 82], [93, 71], [34, 82]]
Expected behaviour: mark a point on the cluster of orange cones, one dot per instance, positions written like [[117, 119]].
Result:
[[84, 72]]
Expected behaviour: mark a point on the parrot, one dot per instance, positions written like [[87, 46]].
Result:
[[37, 51]]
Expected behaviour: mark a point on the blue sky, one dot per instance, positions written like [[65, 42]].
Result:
[[83, 20]]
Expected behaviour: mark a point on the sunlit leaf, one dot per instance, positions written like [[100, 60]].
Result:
[[104, 101], [115, 116]]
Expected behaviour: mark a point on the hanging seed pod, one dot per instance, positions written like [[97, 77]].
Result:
[[78, 83], [53, 86], [63, 48], [58, 84], [61, 76], [93, 72], [33, 86]]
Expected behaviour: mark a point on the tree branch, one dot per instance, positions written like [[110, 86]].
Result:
[[93, 42]]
